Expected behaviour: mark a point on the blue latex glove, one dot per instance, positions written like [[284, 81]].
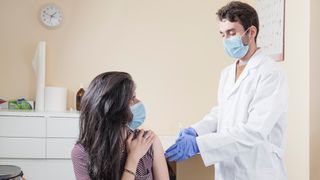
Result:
[[183, 149], [189, 131]]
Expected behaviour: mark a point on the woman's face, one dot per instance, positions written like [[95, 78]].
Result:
[[134, 99]]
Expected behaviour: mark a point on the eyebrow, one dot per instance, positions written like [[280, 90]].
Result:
[[228, 30]]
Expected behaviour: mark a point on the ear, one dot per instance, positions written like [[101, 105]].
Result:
[[253, 32]]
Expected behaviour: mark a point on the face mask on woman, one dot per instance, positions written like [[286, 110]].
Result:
[[234, 46], [139, 115]]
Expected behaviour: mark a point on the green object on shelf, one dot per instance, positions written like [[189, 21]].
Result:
[[19, 104]]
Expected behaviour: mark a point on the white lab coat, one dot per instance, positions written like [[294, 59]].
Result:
[[244, 135]]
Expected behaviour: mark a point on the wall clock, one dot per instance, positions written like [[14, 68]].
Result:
[[51, 15]]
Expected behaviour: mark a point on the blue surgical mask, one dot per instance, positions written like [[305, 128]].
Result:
[[234, 46], [139, 115]]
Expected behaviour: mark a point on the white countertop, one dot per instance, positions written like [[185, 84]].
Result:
[[166, 140], [11, 112]]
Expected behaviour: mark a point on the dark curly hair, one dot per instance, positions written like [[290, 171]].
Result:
[[243, 13]]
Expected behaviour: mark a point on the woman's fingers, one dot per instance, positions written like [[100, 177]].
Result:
[[149, 138], [144, 138], [140, 135], [139, 146], [149, 135], [130, 137]]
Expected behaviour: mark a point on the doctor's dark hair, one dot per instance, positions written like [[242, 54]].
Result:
[[243, 13], [104, 114]]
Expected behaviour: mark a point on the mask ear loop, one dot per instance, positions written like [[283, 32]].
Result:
[[249, 28], [245, 32]]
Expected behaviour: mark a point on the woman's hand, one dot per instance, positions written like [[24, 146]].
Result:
[[139, 146], [136, 148]]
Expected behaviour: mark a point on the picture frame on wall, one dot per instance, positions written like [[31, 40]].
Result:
[[272, 27]]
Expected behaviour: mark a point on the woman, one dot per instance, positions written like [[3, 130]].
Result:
[[107, 149]]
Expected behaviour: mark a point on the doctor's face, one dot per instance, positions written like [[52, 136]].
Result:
[[229, 29]]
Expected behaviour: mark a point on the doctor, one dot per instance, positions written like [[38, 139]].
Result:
[[243, 136]]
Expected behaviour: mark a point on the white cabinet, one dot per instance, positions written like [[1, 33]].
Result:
[[63, 127], [62, 133], [58, 148], [22, 147], [39, 142], [17, 126]]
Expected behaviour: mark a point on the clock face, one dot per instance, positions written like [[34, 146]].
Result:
[[51, 15]]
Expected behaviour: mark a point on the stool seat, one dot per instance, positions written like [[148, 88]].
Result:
[[9, 172]]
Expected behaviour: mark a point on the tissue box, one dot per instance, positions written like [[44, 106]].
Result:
[[4, 105]]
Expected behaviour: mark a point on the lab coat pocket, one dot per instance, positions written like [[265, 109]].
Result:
[[264, 174]]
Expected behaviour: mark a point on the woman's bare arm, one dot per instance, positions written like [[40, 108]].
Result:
[[136, 149], [160, 168]]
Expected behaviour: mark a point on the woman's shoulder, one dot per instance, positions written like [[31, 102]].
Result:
[[78, 151], [80, 159], [78, 148]]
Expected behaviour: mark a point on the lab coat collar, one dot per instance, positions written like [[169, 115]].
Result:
[[252, 63]]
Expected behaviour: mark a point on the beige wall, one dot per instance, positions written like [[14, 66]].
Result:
[[314, 91], [296, 65], [171, 48]]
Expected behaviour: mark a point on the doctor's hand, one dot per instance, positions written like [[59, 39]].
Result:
[[184, 148], [187, 131]]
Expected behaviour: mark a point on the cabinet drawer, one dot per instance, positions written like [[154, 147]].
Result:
[[60, 148], [63, 127], [11, 126], [22, 147]]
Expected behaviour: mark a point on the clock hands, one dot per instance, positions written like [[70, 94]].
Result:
[[53, 14], [45, 12]]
